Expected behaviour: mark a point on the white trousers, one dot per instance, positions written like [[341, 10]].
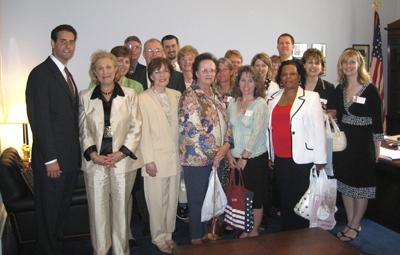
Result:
[[161, 195], [108, 194]]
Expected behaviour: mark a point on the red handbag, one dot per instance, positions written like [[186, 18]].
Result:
[[239, 211]]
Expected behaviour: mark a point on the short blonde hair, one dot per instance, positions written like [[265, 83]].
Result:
[[363, 75], [187, 49], [96, 56], [233, 53]]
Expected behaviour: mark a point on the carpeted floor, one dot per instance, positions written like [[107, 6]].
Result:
[[374, 239]]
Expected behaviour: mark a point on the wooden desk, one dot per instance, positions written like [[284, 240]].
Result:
[[313, 241], [385, 208]]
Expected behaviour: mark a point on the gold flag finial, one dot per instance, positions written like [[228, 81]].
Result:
[[376, 4]]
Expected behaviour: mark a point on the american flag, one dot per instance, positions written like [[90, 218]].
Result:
[[376, 68]]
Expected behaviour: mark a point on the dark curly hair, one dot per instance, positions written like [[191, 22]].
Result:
[[299, 68], [201, 57]]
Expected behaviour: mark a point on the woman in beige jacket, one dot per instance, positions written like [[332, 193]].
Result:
[[110, 130], [159, 145]]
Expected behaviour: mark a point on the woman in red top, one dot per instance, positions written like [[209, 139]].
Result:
[[296, 138]]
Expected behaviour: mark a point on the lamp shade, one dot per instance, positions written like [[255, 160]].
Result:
[[17, 114]]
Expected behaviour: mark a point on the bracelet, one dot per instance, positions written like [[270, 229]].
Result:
[[244, 158]]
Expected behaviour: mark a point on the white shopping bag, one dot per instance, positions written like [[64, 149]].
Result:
[[323, 202], [215, 200]]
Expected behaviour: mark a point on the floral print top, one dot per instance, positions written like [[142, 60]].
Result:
[[200, 131]]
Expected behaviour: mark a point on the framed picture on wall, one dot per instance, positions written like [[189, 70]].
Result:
[[299, 49], [321, 47], [364, 50]]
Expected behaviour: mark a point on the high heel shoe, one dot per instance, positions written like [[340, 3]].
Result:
[[345, 235]]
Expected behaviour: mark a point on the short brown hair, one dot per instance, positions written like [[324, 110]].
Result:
[[259, 90], [316, 54], [133, 38], [156, 64], [121, 51]]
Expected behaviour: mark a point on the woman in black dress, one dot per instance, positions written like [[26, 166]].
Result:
[[314, 64], [359, 115]]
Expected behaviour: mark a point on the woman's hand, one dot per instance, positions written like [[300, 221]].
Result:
[[151, 169], [241, 164], [98, 159], [113, 158], [231, 160], [377, 150], [270, 164], [220, 154]]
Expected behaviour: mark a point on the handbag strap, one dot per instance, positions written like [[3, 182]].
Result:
[[334, 125], [232, 179]]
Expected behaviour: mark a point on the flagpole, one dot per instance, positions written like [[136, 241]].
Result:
[[376, 65]]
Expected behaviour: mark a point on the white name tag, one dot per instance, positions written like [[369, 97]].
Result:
[[323, 101], [248, 113], [228, 99], [359, 100]]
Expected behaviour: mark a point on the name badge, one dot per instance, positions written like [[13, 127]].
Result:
[[359, 100], [248, 113], [228, 99], [323, 101]]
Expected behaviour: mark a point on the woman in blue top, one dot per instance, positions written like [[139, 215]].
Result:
[[248, 117]]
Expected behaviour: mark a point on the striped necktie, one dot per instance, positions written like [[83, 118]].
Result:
[[70, 82]]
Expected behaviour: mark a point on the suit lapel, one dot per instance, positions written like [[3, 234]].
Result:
[[298, 102], [59, 76]]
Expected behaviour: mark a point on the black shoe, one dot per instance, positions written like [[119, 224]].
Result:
[[132, 243], [183, 212]]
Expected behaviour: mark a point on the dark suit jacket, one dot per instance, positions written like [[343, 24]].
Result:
[[139, 75], [176, 81], [53, 116]]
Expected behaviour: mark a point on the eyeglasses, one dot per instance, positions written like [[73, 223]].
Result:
[[134, 47], [159, 72], [207, 71], [153, 50]]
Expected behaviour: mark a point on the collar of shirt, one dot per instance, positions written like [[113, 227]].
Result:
[[59, 65], [97, 92]]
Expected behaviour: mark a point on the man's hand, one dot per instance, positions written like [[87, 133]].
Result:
[[53, 170]]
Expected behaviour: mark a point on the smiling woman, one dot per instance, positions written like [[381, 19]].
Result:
[[111, 154], [296, 138]]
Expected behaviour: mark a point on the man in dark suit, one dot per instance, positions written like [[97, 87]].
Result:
[[52, 107], [285, 46], [153, 49], [137, 71]]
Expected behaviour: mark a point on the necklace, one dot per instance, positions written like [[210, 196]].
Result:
[[107, 93]]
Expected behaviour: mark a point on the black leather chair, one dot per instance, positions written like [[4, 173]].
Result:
[[19, 201]]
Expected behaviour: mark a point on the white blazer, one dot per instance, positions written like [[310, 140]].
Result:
[[306, 125], [126, 125]]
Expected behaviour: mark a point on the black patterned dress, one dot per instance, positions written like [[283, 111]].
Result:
[[362, 124]]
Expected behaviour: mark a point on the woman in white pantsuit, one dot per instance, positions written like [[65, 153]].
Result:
[[110, 130], [159, 145]]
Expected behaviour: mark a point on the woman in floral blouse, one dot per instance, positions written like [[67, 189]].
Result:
[[204, 137]]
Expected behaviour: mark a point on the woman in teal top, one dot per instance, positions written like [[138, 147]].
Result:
[[248, 117], [122, 54]]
